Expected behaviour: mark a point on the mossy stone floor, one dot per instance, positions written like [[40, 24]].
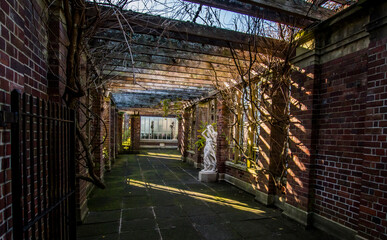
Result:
[[154, 195]]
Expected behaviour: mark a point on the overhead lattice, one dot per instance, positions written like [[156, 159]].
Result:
[[161, 58]]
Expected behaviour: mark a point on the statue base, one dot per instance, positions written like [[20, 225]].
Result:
[[207, 176]]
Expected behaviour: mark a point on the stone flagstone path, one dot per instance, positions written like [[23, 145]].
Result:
[[154, 195]]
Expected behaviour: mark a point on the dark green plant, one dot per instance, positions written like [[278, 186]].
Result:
[[165, 103]]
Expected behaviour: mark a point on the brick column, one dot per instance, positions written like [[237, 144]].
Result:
[[201, 118], [184, 134], [112, 133], [303, 134], [223, 130], [372, 223], [119, 131], [57, 54], [135, 129], [97, 128], [106, 146]]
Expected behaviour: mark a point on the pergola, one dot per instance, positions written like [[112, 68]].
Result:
[[159, 58]]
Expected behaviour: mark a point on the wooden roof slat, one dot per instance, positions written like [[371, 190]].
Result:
[[295, 7], [178, 78], [169, 28], [146, 59], [172, 69], [295, 13]]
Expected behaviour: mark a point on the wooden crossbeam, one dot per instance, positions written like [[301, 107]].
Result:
[[150, 99], [296, 8], [155, 85], [155, 75], [122, 51], [257, 11], [140, 66], [295, 13], [169, 28], [158, 42], [149, 59]]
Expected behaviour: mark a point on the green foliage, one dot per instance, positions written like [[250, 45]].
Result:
[[105, 153], [165, 103]]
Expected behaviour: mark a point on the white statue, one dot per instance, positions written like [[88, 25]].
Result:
[[209, 149]]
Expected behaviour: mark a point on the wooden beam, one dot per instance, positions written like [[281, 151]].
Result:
[[298, 8], [169, 28], [122, 49], [173, 77], [172, 69], [152, 82], [116, 86], [259, 12], [151, 99], [149, 59], [155, 85], [110, 36], [180, 93]]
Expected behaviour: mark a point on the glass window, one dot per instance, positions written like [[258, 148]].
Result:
[[158, 128]]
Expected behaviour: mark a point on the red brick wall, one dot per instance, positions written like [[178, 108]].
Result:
[[299, 174], [372, 221], [23, 65], [339, 145]]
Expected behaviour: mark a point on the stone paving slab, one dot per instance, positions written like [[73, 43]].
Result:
[[103, 216], [154, 195]]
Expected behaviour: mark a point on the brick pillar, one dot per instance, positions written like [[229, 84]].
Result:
[[135, 129], [372, 221], [184, 134], [112, 133], [201, 118], [303, 134], [106, 146], [223, 130], [179, 132], [57, 54], [119, 131], [97, 128]]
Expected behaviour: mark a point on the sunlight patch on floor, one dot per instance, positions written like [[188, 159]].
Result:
[[159, 157], [200, 196], [164, 154]]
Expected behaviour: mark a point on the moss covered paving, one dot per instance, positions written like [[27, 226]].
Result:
[[154, 195]]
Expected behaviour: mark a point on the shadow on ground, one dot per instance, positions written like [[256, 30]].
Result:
[[153, 195]]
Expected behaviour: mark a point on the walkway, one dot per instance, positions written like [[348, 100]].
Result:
[[156, 196]]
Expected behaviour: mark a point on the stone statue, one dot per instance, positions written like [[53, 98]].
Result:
[[209, 149]]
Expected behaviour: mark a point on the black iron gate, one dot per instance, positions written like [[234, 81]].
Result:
[[43, 169]]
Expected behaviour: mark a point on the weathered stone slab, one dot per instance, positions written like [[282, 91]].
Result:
[[205, 176]]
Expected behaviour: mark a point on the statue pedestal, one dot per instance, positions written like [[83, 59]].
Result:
[[207, 176]]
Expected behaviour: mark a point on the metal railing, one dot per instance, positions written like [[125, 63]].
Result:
[[43, 169]]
